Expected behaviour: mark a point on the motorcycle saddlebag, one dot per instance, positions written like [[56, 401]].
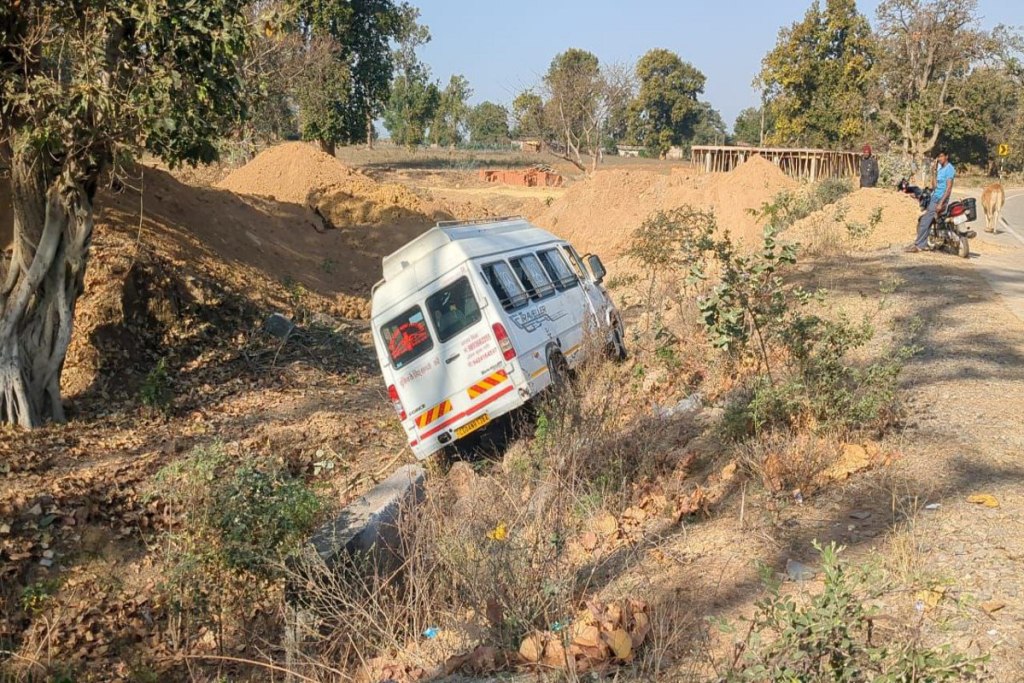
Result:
[[971, 208]]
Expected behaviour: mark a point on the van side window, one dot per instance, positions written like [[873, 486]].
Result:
[[504, 283], [557, 269], [575, 262], [532, 275], [453, 309], [406, 337]]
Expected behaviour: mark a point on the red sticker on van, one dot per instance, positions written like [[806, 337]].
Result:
[[406, 338]]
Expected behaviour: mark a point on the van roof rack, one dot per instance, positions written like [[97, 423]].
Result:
[[477, 221]]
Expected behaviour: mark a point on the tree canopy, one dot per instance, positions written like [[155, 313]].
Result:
[[816, 79], [452, 112], [575, 87], [747, 128], [926, 51], [86, 83], [666, 110], [358, 35], [488, 124], [528, 115]]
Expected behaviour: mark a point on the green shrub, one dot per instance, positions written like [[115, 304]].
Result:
[[831, 190], [260, 514], [831, 637], [156, 391], [245, 517]]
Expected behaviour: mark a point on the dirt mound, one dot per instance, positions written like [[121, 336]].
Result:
[[757, 174], [869, 218], [342, 197], [289, 172], [601, 213]]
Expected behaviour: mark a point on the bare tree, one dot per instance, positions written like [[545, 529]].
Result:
[[927, 48], [582, 98]]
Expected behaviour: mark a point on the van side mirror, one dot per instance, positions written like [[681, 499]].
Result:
[[596, 268]]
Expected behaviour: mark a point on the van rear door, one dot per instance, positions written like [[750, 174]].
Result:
[[472, 365]]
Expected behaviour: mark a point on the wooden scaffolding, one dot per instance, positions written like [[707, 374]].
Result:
[[805, 164]]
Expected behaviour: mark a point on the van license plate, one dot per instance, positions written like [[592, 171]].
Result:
[[472, 426]]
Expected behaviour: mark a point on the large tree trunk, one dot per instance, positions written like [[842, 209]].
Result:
[[327, 146], [52, 230]]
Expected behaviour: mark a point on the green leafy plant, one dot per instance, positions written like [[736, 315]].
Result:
[[248, 516], [831, 637], [156, 391], [831, 190], [749, 301], [36, 596]]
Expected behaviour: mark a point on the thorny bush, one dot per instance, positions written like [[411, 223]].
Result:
[[239, 518], [832, 637], [753, 314]]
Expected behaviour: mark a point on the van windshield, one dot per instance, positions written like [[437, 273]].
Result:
[[453, 309], [406, 337]]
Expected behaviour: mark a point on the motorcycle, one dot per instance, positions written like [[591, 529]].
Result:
[[948, 229]]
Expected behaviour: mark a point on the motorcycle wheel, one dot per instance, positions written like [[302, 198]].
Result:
[[965, 247]]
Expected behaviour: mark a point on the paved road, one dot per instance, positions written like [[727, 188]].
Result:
[[1003, 268]]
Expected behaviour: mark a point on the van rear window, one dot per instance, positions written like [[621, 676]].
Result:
[[406, 337], [453, 309], [557, 269]]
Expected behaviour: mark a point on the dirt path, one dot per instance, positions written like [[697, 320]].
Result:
[[1001, 267], [967, 387]]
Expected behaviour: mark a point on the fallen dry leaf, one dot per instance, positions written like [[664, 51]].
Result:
[[532, 647], [991, 606], [853, 459], [620, 643], [931, 597], [495, 614], [729, 471], [986, 499], [586, 636], [554, 654]]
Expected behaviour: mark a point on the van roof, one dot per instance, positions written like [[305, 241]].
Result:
[[447, 245]]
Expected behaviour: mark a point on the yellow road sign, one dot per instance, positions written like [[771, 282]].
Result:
[[1004, 150]]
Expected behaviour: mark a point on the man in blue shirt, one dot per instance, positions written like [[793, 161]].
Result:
[[944, 174]]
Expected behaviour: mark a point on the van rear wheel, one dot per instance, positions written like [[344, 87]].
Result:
[[558, 369], [617, 347]]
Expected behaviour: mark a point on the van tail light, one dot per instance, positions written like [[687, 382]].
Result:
[[504, 342], [396, 402]]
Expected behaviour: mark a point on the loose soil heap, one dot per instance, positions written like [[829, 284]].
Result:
[[298, 173], [601, 214], [869, 218], [290, 172]]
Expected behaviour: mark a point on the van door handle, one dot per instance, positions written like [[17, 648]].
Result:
[[449, 360]]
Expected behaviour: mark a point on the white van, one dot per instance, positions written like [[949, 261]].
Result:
[[474, 318]]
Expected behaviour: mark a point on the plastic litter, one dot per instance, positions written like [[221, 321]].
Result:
[[687, 405], [431, 632], [798, 571]]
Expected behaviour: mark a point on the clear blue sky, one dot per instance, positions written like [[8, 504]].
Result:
[[505, 47]]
